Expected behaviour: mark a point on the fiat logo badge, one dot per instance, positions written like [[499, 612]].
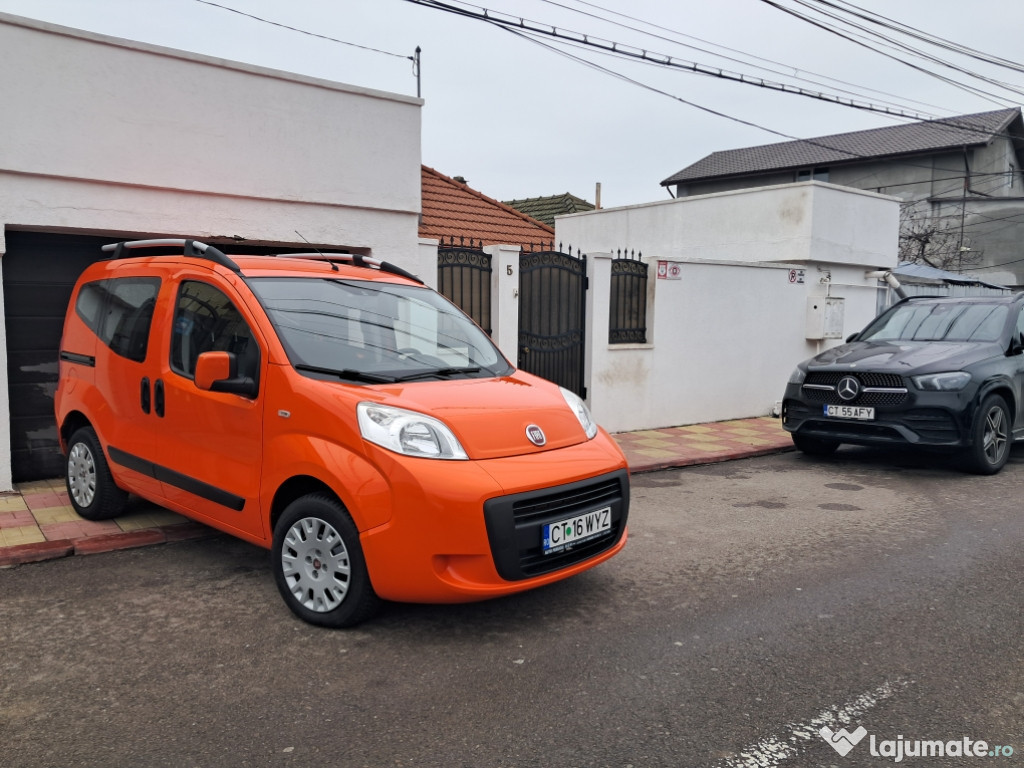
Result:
[[536, 435]]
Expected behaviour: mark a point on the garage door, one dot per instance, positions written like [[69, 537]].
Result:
[[39, 271]]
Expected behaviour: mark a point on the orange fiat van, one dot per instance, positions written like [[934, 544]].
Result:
[[335, 410]]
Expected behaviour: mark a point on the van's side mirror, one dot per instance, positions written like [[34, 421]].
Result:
[[218, 372]]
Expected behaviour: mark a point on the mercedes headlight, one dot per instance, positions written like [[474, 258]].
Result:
[[953, 381]]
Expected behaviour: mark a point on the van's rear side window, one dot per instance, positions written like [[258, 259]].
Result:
[[119, 311]]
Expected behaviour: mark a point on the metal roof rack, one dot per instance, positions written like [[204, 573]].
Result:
[[189, 248], [354, 259]]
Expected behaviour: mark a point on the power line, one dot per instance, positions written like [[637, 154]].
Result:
[[949, 81], [639, 54], [305, 32], [941, 42], [899, 45], [751, 60]]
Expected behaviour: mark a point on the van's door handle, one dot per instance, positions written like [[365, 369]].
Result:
[[158, 397], [145, 394]]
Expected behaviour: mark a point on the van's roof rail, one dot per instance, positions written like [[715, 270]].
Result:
[[354, 259], [189, 248]]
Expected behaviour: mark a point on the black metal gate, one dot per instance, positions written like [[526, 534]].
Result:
[[464, 276], [552, 317]]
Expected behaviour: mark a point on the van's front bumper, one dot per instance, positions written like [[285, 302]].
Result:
[[471, 530]]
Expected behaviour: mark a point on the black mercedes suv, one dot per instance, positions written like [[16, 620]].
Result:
[[945, 373]]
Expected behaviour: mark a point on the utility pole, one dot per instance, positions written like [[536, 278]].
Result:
[[416, 70]]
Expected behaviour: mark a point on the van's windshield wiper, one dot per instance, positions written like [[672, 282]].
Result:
[[348, 374], [441, 372]]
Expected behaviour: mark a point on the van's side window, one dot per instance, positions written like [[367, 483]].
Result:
[[205, 320], [119, 311]]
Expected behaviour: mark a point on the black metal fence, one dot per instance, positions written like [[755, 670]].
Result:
[[627, 323], [464, 276]]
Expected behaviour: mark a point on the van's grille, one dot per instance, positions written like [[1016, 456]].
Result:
[[515, 524]]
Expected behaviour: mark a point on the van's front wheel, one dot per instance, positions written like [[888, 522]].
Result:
[[318, 563]]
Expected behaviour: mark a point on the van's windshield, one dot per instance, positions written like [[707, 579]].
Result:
[[375, 332]]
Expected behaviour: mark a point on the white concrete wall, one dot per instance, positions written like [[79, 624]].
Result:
[[102, 134], [723, 339], [108, 136], [787, 223]]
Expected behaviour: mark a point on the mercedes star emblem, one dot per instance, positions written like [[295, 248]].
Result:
[[848, 388]]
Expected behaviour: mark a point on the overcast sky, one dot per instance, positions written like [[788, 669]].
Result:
[[517, 119]]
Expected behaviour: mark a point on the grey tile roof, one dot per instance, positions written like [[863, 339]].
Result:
[[910, 139]]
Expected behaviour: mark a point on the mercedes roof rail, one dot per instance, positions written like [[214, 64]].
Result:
[[189, 248]]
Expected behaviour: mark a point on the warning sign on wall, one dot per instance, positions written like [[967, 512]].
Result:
[[670, 270], [796, 276]]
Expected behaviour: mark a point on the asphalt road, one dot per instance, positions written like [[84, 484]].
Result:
[[757, 602]]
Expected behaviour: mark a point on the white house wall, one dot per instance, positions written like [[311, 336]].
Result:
[[724, 337], [126, 118]]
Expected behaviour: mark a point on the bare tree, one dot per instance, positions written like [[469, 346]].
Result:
[[933, 240]]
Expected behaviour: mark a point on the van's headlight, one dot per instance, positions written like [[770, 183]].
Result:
[[407, 432], [582, 412], [798, 376], [953, 381]]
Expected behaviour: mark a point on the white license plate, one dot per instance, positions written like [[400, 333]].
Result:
[[576, 530], [849, 412]]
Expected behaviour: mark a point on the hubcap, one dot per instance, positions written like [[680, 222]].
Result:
[[81, 474], [315, 564], [995, 438]]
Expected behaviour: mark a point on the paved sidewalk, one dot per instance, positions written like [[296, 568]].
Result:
[[38, 523]]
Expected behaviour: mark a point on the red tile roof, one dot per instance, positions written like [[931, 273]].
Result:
[[453, 210]]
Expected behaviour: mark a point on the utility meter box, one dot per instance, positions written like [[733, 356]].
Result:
[[825, 317]]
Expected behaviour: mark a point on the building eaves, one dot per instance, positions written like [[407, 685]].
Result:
[[925, 137]]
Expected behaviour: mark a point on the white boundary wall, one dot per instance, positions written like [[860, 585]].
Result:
[[724, 337]]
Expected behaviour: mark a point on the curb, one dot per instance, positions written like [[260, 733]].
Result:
[[108, 542], [36, 552], [657, 466]]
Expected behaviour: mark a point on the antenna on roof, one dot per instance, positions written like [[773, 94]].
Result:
[[333, 265]]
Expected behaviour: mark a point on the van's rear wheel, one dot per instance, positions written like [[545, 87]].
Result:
[[90, 486], [318, 563]]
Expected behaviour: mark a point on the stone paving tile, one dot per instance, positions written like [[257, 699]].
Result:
[[16, 519], [158, 518], [64, 514], [79, 529], [25, 534], [10, 502]]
